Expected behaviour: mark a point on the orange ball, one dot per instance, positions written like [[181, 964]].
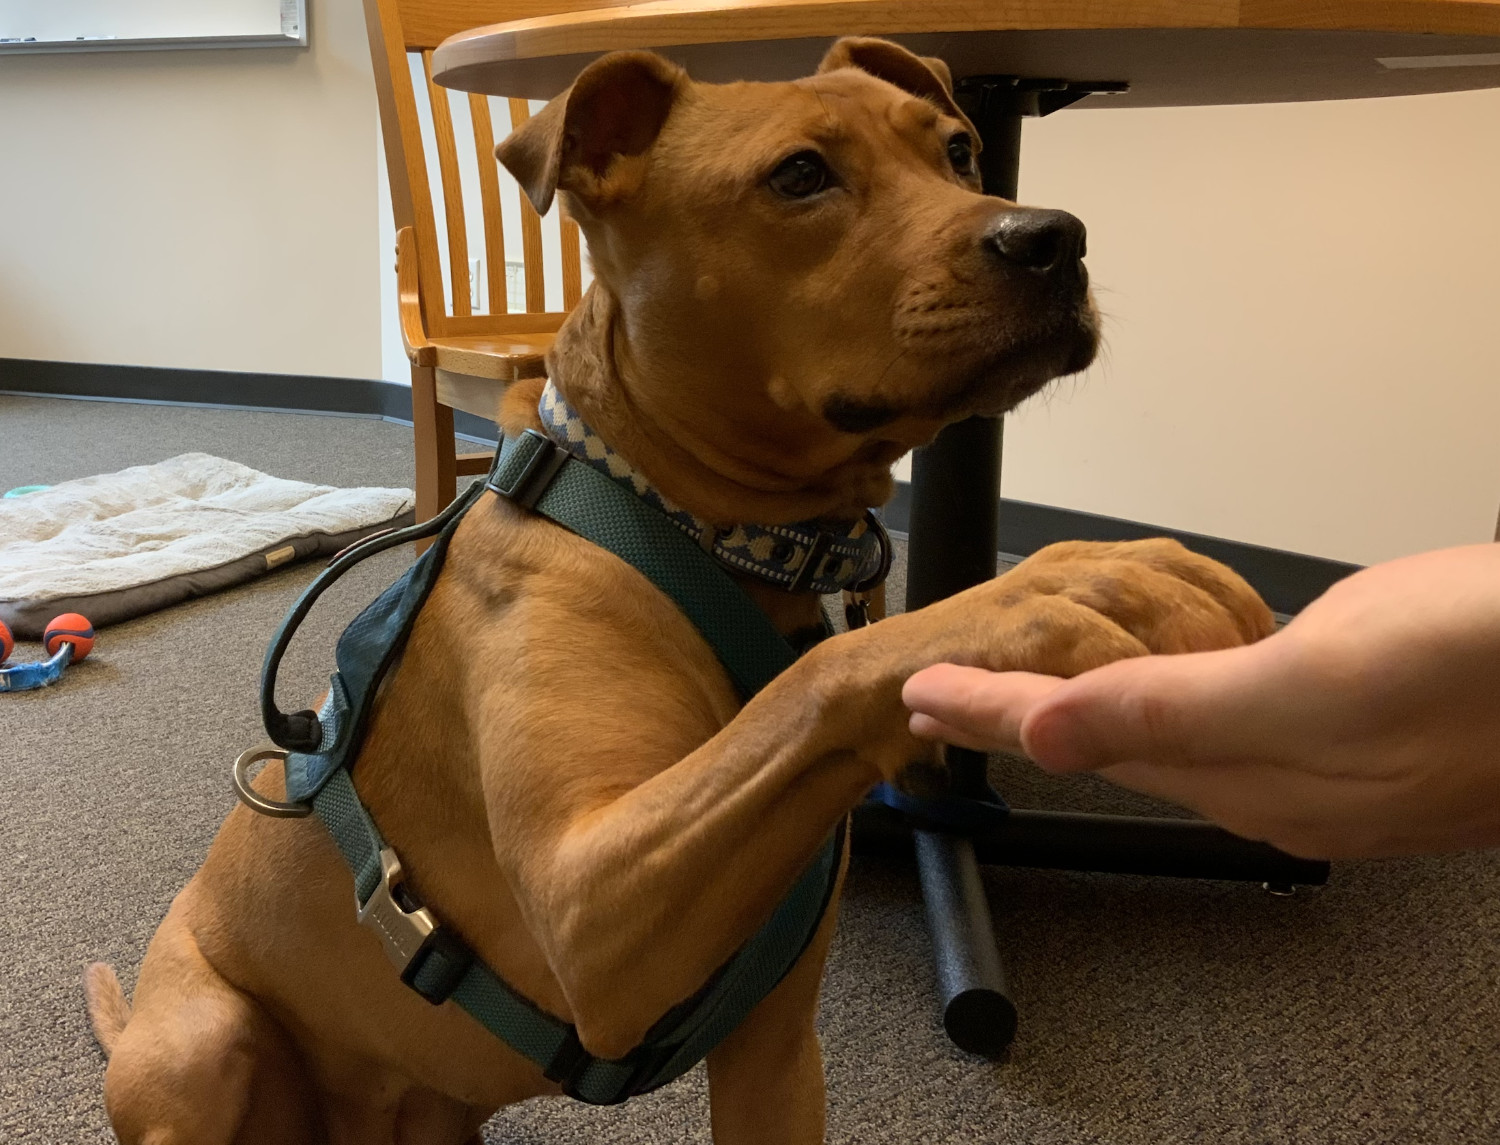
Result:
[[7, 643], [69, 628]]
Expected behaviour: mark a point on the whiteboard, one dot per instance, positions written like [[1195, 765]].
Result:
[[116, 25]]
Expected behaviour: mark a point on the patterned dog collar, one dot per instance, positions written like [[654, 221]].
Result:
[[804, 557]]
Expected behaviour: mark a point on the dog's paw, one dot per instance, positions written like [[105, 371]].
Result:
[[1077, 605], [1167, 596], [1068, 609], [1080, 605]]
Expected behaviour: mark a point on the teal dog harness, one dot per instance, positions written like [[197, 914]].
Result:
[[537, 473]]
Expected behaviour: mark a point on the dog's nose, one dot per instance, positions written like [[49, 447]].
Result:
[[1038, 240]]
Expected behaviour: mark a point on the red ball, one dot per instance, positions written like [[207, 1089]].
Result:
[[69, 628], [7, 643]]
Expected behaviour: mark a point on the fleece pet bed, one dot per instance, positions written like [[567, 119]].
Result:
[[122, 544]]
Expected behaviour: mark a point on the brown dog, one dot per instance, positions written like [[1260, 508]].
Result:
[[797, 283]]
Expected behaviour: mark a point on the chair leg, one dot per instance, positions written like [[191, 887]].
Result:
[[437, 460]]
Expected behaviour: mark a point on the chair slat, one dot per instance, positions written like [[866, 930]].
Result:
[[453, 193], [480, 353], [545, 322], [411, 199], [531, 229], [489, 195], [572, 262], [474, 464]]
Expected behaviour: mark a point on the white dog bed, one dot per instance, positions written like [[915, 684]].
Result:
[[122, 544]]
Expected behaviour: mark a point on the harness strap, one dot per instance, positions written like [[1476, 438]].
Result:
[[442, 968], [533, 470], [364, 653]]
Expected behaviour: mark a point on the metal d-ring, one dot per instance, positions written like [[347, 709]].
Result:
[[254, 799], [883, 539]]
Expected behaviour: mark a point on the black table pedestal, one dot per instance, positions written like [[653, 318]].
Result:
[[953, 545]]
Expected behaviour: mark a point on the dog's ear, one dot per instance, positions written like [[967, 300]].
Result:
[[923, 76], [583, 141]]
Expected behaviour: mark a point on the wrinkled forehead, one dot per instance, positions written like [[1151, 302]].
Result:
[[757, 123]]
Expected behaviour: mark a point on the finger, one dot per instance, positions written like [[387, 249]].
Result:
[[1168, 710], [984, 709], [925, 727]]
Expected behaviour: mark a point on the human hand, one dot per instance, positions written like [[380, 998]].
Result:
[[1370, 725], [1066, 609]]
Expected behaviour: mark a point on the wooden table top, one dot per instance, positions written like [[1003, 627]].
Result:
[[1172, 52]]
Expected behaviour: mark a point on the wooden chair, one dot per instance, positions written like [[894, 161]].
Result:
[[459, 359]]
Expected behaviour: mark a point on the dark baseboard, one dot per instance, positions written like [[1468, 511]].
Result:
[[1288, 581], [359, 397]]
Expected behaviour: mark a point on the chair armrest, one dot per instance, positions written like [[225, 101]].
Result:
[[409, 301]]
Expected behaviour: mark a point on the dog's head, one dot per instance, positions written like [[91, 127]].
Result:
[[809, 266]]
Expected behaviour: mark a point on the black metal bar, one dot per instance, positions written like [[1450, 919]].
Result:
[[954, 530], [955, 493], [978, 1013], [1124, 844], [953, 545], [996, 105], [1116, 844]]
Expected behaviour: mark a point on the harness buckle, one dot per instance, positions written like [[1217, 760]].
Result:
[[429, 958], [537, 474]]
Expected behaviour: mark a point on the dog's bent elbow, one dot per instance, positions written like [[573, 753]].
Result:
[[606, 1025]]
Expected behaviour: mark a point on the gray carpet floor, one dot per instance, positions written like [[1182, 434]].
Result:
[[1153, 1011]]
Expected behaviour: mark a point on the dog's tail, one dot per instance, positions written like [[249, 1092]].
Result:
[[108, 1009]]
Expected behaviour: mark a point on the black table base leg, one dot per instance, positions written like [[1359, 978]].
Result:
[[977, 1011], [1100, 844], [953, 543]]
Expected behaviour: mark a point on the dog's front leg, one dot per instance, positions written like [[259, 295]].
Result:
[[765, 1080], [639, 877], [649, 831]]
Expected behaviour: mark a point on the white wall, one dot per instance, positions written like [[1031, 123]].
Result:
[[209, 209], [1301, 298], [1299, 303], [1302, 307]]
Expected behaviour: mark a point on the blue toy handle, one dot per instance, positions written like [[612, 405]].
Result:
[[36, 673]]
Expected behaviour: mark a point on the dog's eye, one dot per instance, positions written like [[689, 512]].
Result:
[[800, 175], [961, 153]]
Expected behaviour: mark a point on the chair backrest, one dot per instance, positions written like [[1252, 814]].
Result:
[[476, 196]]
